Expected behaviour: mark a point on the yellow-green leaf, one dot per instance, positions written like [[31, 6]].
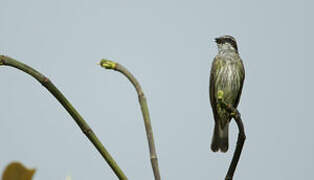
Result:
[[16, 171]]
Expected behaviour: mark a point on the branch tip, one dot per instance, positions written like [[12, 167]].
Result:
[[107, 64]]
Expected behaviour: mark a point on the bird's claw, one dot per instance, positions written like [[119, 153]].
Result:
[[220, 94]]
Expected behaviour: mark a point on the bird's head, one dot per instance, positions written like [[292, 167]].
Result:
[[226, 42]]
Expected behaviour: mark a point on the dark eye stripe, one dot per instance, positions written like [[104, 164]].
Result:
[[230, 41]]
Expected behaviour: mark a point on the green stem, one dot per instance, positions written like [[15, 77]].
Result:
[[4, 60], [142, 100]]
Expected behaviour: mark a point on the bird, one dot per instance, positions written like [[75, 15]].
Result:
[[226, 78]]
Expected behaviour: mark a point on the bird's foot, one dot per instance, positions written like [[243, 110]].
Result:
[[220, 94]]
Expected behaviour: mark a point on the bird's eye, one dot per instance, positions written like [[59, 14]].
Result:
[[219, 41]]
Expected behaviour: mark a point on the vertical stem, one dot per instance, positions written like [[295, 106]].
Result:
[[4, 60], [150, 137], [241, 138], [145, 112], [239, 147]]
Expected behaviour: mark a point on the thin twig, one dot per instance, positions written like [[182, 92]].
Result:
[[4, 60], [142, 100], [241, 137]]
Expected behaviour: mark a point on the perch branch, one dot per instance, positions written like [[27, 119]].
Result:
[[241, 136], [4, 60], [142, 100]]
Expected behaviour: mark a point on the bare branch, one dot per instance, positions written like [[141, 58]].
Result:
[[142, 100], [241, 136], [4, 60]]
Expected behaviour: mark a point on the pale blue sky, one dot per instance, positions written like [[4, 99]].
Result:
[[169, 47]]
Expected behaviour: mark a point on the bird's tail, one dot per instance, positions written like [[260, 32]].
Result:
[[220, 138]]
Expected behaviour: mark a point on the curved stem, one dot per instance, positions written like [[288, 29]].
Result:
[[142, 100], [4, 60], [241, 137]]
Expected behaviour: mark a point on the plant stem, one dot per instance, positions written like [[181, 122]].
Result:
[[241, 137], [4, 60], [143, 103]]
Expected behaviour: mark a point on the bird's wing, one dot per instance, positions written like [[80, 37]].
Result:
[[212, 86], [242, 77]]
